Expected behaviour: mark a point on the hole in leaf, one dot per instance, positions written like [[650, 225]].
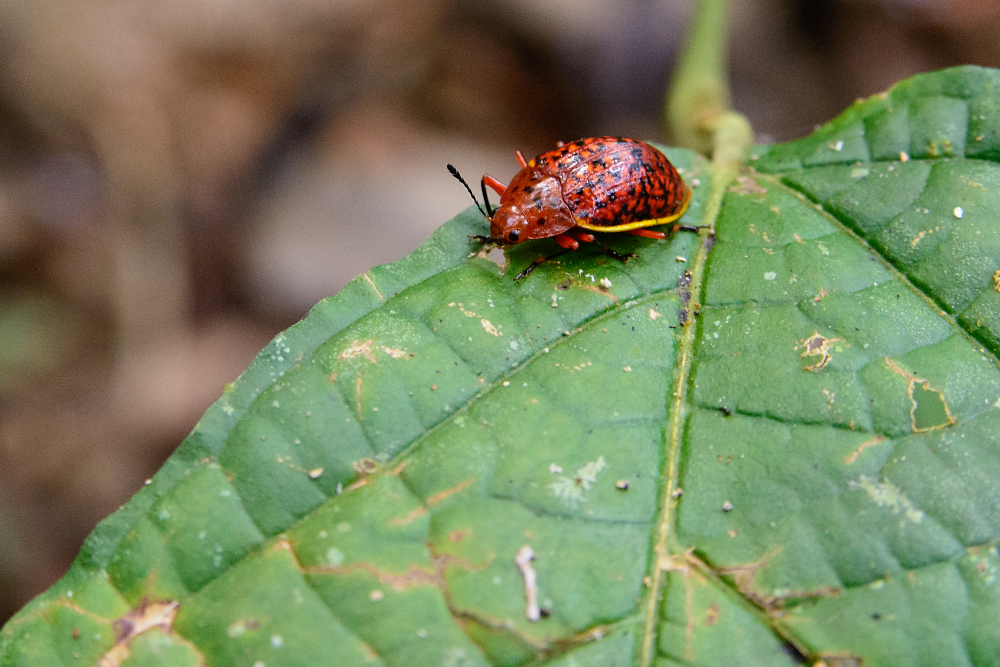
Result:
[[929, 409]]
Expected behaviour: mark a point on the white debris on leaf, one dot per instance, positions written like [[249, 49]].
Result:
[[523, 560], [887, 494], [573, 490]]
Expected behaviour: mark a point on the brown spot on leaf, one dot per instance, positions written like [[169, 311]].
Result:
[[746, 185], [146, 616], [413, 515], [440, 496], [712, 615]]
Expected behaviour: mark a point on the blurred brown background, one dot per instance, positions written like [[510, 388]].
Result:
[[182, 179]]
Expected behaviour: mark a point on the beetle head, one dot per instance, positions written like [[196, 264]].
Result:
[[534, 209], [509, 225]]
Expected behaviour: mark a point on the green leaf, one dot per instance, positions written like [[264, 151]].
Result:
[[777, 445]]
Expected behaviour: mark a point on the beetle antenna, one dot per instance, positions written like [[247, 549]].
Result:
[[486, 200], [454, 172]]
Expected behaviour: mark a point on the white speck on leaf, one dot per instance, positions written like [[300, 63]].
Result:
[[770, 275], [958, 212]]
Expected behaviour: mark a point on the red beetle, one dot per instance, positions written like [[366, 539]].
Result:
[[602, 184]]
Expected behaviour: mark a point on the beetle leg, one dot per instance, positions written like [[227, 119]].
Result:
[[583, 236], [615, 254], [648, 233], [531, 267], [494, 183], [566, 241], [520, 159], [689, 228]]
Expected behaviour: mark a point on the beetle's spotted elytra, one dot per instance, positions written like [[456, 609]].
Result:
[[600, 184]]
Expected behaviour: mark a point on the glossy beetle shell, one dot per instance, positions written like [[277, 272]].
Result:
[[607, 184]]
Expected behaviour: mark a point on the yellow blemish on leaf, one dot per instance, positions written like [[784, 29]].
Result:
[[396, 353], [372, 283], [357, 393], [918, 238], [817, 346], [357, 349], [415, 576], [853, 456], [489, 327], [365, 466]]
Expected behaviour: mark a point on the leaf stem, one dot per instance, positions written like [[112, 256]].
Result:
[[696, 111]]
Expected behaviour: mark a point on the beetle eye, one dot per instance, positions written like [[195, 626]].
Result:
[[512, 237]]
